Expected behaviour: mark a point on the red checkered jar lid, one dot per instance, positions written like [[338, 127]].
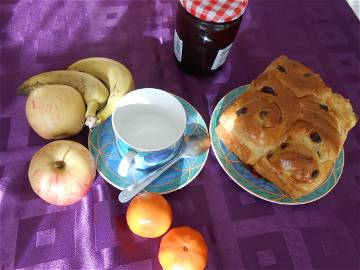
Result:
[[218, 11]]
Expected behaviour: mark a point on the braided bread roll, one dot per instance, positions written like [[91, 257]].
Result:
[[289, 126]]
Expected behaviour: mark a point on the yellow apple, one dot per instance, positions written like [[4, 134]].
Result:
[[55, 111]]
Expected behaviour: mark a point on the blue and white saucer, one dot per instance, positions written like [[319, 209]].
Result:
[[102, 146]]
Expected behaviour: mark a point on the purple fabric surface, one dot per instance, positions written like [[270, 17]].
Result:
[[242, 232]]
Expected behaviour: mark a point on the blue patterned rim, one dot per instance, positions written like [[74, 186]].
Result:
[[255, 185], [101, 143]]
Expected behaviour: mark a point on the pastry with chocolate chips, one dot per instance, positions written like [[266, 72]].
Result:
[[289, 126]]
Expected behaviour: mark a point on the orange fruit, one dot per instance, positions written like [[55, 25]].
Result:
[[183, 248], [149, 215]]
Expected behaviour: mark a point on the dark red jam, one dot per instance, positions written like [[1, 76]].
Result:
[[200, 46]]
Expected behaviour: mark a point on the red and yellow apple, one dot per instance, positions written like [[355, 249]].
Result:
[[62, 172]]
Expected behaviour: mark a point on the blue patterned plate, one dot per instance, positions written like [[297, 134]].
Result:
[[249, 181], [102, 146]]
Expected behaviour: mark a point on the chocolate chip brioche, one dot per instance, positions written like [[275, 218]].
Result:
[[289, 126]]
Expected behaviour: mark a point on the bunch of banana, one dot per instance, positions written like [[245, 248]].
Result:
[[113, 74], [88, 77], [93, 91]]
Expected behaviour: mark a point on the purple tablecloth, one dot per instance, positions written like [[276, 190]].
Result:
[[242, 232]]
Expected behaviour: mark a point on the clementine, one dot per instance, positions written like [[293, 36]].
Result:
[[183, 248], [149, 215]]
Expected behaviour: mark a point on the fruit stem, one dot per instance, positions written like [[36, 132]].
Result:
[[25, 89], [91, 121], [59, 164], [92, 106]]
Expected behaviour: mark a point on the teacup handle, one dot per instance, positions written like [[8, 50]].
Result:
[[125, 163]]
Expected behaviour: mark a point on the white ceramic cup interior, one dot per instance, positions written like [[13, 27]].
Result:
[[149, 119]]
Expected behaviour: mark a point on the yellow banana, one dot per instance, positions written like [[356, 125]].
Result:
[[93, 90], [113, 74]]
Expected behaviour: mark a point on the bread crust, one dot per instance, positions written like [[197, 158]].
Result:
[[289, 126]]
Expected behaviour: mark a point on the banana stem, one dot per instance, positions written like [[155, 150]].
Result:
[[90, 115], [92, 107], [26, 89], [91, 121]]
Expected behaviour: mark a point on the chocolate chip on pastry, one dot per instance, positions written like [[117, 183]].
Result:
[[281, 68], [241, 111], [292, 127], [268, 90], [315, 173], [324, 107], [283, 145], [262, 114], [315, 137]]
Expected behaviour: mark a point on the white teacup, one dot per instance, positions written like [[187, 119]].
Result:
[[149, 125]]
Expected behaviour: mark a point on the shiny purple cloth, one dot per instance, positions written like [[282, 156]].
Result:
[[242, 232]]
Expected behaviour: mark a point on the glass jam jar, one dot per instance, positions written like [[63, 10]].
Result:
[[205, 31]]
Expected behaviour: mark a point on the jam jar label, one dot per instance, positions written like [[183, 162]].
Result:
[[221, 57], [178, 45]]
